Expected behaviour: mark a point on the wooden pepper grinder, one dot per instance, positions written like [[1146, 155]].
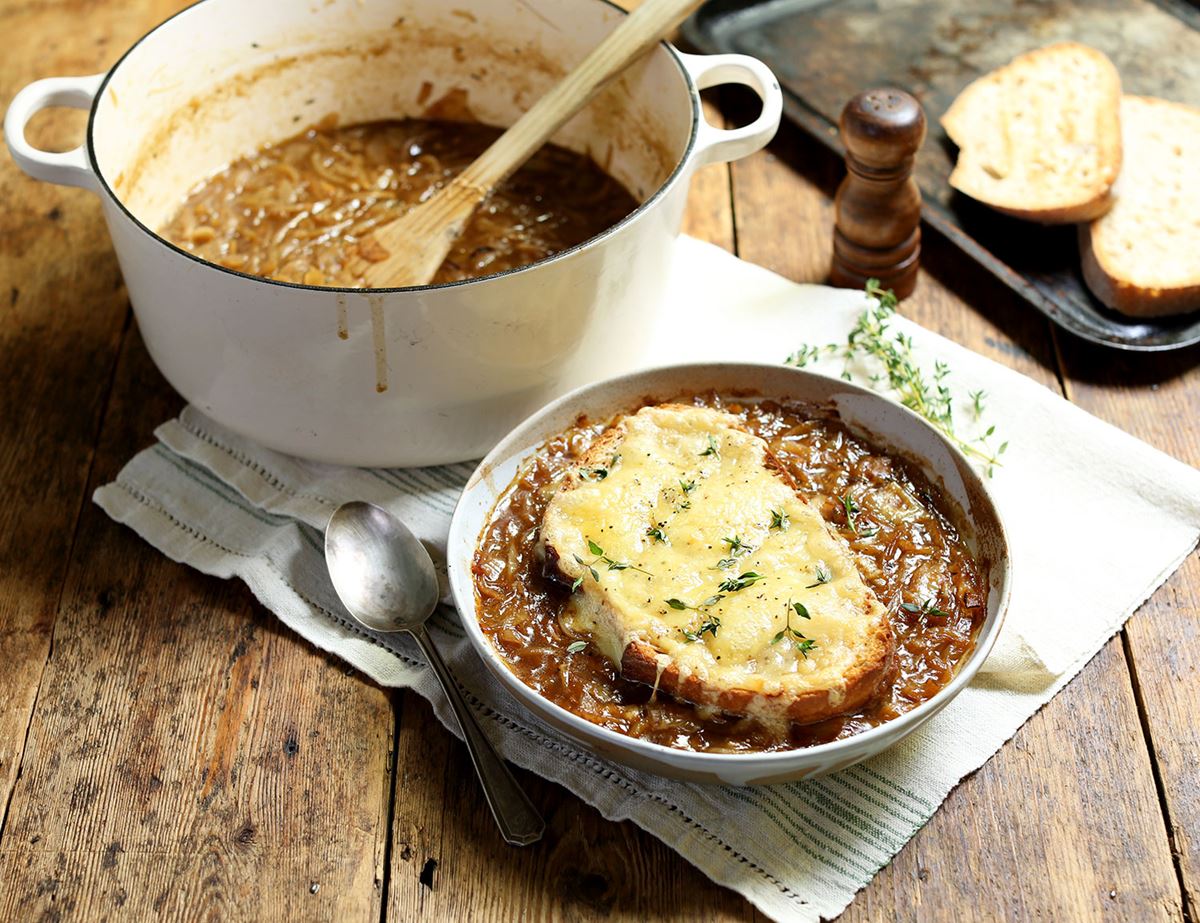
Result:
[[878, 206]]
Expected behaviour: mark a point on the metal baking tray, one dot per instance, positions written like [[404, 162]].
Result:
[[825, 51]]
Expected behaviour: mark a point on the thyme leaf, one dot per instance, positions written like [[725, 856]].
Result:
[[599, 473], [824, 575], [679, 604], [733, 584], [780, 521], [709, 625], [601, 557], [929, 607], [737, 546], [576, 646], [802, 644], [851, 508]]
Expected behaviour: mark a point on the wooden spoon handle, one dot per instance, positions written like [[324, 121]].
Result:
[[418, 242], [640, 30]]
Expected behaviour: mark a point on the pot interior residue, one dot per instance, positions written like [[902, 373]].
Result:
[[181, 107]]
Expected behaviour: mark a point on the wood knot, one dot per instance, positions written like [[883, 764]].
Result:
[[109, 859], [427, 871], [591, 889]]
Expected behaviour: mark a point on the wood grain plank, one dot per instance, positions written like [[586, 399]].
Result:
[[709, 214], [62, 310], [449, 863], [1061, 824], [189, 758], [1157, 398], [1072, 796]]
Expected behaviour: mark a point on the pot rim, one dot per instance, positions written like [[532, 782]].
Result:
[[683, 165], [863, 744]]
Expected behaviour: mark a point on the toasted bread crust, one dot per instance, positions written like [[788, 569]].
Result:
[[640, 660], [1127, 297], [1152, 294]]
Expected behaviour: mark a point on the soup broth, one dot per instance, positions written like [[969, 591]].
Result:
[[305, 210]]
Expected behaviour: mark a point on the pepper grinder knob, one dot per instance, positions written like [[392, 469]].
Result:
[[877, 231]]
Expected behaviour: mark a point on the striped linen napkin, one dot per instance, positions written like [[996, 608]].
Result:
[[800, 851]]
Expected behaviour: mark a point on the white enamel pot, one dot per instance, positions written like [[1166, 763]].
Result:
[[408, 376]]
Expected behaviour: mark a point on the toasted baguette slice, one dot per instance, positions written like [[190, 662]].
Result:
[[627, 503], [1143, 257], [1040, 138]]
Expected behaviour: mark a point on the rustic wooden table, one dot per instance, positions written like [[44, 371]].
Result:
[[167, 750]]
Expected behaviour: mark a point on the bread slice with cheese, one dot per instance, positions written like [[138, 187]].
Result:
[[1040, 138], [1143, 257], [699, 570]]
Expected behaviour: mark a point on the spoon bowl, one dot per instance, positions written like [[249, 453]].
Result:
[[381, 571], [386, 580]]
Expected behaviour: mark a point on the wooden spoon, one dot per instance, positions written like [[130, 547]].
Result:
[[418, 242]]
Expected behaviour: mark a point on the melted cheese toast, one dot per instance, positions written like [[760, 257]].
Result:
[[698, 569]]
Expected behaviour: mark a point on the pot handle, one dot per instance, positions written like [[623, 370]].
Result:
[[70, 168], [714, 145]]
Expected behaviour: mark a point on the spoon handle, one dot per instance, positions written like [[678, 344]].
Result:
[[519, 821]]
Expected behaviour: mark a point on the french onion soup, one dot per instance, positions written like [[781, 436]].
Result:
[[304, 210], [726, 575]]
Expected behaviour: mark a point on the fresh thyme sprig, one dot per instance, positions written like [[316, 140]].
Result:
[[929, 395], [681, 605], [737, 547], [824, 575], [600, 472], [733, 584], [926, 608], [710, 625], [780, 520], [602, 558], [803, 644], [851, 507]]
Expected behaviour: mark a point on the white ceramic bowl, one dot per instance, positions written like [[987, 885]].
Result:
[[464, 361], [883, 422]]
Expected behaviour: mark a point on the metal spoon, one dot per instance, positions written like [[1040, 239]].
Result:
[[385, 578]]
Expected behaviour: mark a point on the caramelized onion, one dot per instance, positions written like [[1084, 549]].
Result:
[[302, 210]]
